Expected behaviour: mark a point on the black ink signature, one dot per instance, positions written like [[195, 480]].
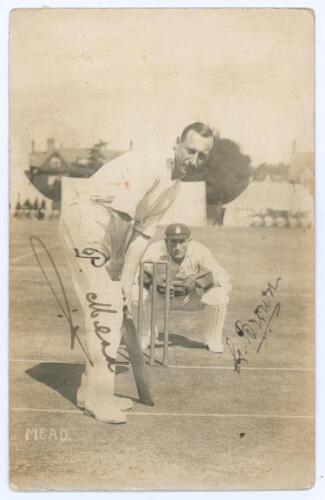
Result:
[[100, 330], [236, 354], [259, 325], [65, 306], [96, 307], [275, 313], [253, 326], [90, 253]]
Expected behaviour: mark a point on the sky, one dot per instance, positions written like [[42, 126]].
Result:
[[142, 75]]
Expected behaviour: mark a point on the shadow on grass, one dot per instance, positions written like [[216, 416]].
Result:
[[180, 340], [62, 377]]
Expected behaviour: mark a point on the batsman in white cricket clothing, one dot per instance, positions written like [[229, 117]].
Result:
[[197, 282], [105, 231]]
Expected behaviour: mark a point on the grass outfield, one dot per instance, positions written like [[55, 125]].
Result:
[[211, 427]]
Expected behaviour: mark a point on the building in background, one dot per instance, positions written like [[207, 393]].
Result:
[[46, 168]]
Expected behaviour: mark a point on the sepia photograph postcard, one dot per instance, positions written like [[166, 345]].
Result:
[[161, 249]]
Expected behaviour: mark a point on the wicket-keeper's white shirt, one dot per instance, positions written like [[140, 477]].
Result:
[[135, 183], [197, 257]]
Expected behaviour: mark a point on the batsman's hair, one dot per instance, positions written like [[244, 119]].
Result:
[[198, 127]]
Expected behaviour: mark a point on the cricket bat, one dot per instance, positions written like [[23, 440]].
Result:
[[137, 360]]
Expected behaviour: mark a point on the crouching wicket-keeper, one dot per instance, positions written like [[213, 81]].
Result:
[[197, 282]]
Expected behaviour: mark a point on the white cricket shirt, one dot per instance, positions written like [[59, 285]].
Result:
[[138, 184]]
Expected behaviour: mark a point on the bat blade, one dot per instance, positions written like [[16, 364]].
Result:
[[137, 360]]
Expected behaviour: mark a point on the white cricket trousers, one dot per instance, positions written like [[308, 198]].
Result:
[[82, 231]]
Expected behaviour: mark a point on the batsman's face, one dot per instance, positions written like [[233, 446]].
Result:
[[177, 249], [192, 152]]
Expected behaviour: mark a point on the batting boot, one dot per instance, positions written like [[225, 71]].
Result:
[[99, 400], [107, 411], [122, 403], [214, 319]]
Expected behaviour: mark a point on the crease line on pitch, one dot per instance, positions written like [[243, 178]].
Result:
[[178, 367], [244, 368], [167, 414], [60, 361]]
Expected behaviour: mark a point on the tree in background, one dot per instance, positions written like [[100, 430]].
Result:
[[96, 156], [95, 160], [35, 205], [27, 204], [280, 171], [226, 173], [18, 208]]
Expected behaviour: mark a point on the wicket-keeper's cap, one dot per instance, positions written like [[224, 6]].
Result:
[[177, 231]]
